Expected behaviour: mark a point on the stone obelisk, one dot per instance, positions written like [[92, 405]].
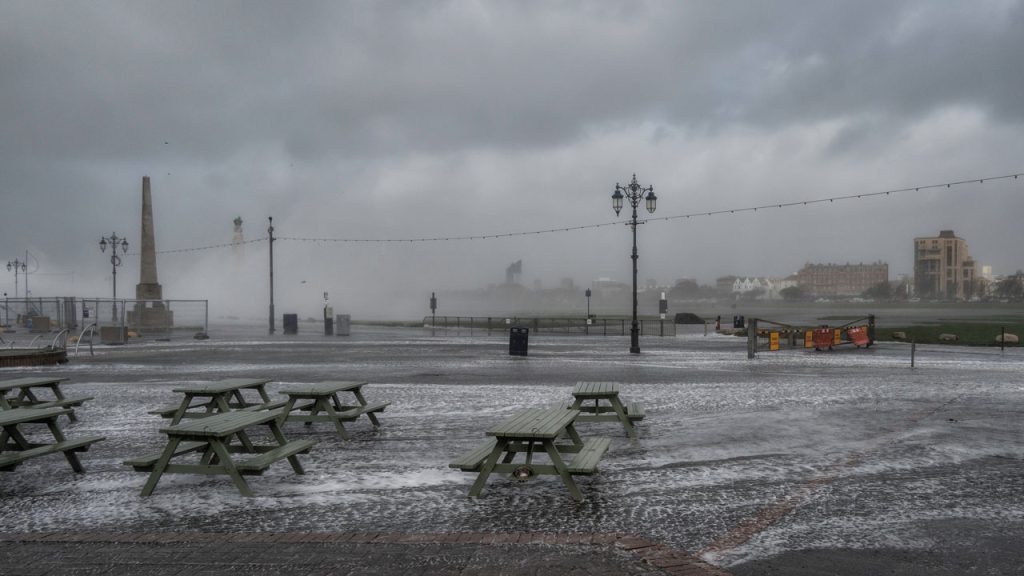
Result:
[[152, 314], [148, 287]]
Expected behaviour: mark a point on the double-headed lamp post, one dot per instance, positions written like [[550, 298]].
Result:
[[17, 267], [115, 242], [634, 192]]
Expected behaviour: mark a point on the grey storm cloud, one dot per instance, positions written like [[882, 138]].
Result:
[[406, 119]]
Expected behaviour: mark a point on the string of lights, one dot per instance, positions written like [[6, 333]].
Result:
[[827, 200]]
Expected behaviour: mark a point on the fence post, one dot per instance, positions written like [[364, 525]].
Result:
[[751, 338]]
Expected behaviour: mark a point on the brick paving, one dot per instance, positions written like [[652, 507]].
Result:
[[342, 553]]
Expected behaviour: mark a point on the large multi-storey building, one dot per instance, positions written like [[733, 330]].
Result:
[[943, 268], [841, 279]]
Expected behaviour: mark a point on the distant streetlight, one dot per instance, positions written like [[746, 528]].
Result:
[[17, 266], [634, 192], [270, 233], [433, 309], [586, 327], [115, 242]]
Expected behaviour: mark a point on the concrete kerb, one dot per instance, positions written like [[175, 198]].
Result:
[[665, 558]]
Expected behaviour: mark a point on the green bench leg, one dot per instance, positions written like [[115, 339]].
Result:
[[362, 402], [563, 470], [329, 410], [621, 412], [160, 466], [275, 429], [71, 456], [229, 466], [487, 468]]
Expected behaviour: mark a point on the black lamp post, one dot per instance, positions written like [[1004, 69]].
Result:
[[115, 242], [634, 192], [270, 234], [18, 267]]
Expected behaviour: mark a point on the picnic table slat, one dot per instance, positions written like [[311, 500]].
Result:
[[29, 382], [23, 415], [536, 423], [598, 389], [221, 386], [220, 425], [322, 388]]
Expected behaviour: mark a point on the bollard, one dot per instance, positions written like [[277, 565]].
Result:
[[913, 350]]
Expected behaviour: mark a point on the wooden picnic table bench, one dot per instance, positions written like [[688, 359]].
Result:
[[210, 438], [15, 448], [533, 432], [27, 397], [218, 396], [599, 402], [319, 402]]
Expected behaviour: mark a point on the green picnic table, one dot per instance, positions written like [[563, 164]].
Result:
[[27, 394], [219, 396], [534, 432], [319, 402], [15, 448], [210, 439], [599, 402]]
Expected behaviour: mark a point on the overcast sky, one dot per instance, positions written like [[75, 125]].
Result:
[[384, 120]]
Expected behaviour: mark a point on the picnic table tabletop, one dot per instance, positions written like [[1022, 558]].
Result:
[[222, 386], [25, 415], [534, 432], [599, 402], [322, 388], [535, 423], [26, 397], [595, 389], [210, 438], [220, 425], [320, 403], [15, 448], [215, 397], [30, 382]]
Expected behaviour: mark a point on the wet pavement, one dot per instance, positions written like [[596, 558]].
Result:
[[822, 462]]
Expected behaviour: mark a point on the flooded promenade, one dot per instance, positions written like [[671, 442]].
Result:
[[759, 466]]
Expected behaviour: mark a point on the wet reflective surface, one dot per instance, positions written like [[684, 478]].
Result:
[[737, 460]]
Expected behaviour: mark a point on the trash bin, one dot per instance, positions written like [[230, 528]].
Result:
[[291, 323], [342, 322], [518, 340]]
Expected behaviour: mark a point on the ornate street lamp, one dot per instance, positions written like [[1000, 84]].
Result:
[[115, 242], [634, 192], [270, 234], [17, 267]]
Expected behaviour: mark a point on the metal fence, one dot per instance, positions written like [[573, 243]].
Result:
[[114, 320], [550, 325]]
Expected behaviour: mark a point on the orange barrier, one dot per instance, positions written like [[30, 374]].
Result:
[[823, 339], [859, 336]]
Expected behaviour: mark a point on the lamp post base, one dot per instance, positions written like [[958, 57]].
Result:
[[634, 340]]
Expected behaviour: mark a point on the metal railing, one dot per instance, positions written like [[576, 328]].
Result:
[[550, 325], [159, 319]]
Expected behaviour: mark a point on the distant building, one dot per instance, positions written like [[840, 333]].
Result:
[[841, 279], [943, 269], [724, 285], [764, 288]]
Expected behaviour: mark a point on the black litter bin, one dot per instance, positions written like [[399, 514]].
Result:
[[518, 340], [291, 323]]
